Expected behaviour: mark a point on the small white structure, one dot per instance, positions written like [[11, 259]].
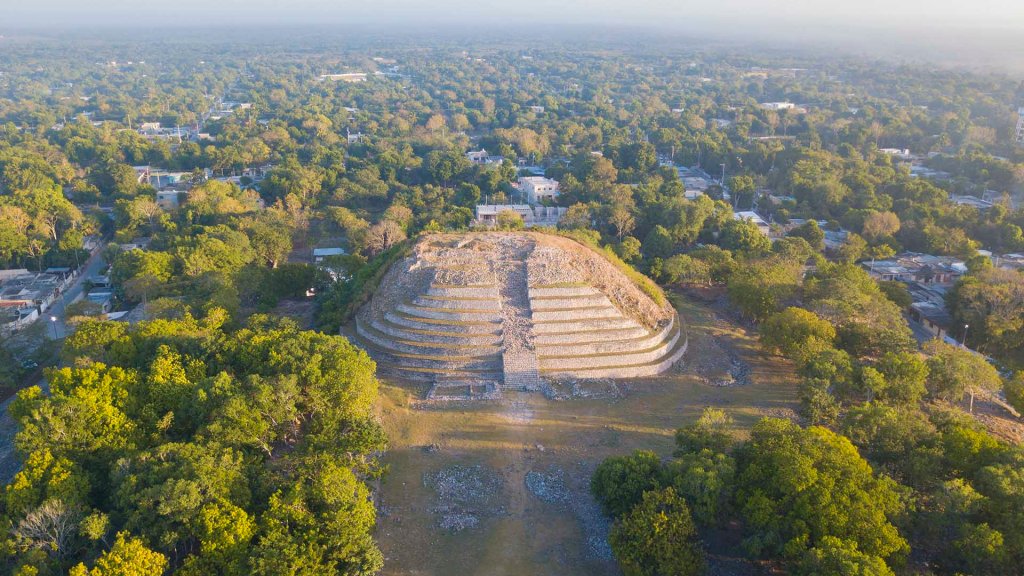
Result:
[[320, 253], [346, 77], [755, 218], [168, 199], [481, 157], [778, 106], [536, 189]]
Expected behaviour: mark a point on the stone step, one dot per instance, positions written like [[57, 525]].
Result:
[[589, 336], [562, 303], [576, 314], [521, 371], [390, 369], [570, 326], [372, 333], [609, 345], [461, 316], [461, 304], [561, 291], [383, 353], [474, 328], [610, 359], [490, 292], [627, 370], [438, 337]]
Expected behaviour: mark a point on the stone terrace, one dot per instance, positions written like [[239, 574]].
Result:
[[478, 312]]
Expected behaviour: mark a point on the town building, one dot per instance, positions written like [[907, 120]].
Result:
[[168, 199], [345, 77], [537, 189], [917, 267], [25, 295], [778, 106], [481, 157], [487, 214], [319, 254], [755, 218], [972, 201]]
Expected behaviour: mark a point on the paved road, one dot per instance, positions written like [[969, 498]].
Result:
[[58, 329]]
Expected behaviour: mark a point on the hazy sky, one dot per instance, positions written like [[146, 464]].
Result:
[[667, 13]]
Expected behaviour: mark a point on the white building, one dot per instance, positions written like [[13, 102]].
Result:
[[487, 214], [320, 253], [778, 105], [753, 217], [168, 199], [481, 157], [536, 189]]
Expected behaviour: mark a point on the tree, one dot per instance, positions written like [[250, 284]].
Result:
[[956, 372], [658, 243], [383, 235], [628, 249], [686, 269], [880, 225], [992, 303], [836, 557], [795, 487], [793, 330], [657, 537], [509, 220], [745, 236], [811, 232], [620, 481], [270, 235], [761, 287], [1014, 388], [621, 218], [905, 375], [52, 528], [127, 557], [577, 217], [852, 249], [710, 432]]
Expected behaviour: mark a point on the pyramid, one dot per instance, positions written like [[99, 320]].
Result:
[[479, 312]]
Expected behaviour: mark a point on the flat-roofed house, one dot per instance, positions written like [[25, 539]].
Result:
[[537, 189]]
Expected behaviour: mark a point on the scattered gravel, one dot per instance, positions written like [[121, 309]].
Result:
[[571, 491], [548, 487], [716, 363], [465, 495], [597, 389]]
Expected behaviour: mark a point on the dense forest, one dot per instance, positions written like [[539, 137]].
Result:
[[211, 438]]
